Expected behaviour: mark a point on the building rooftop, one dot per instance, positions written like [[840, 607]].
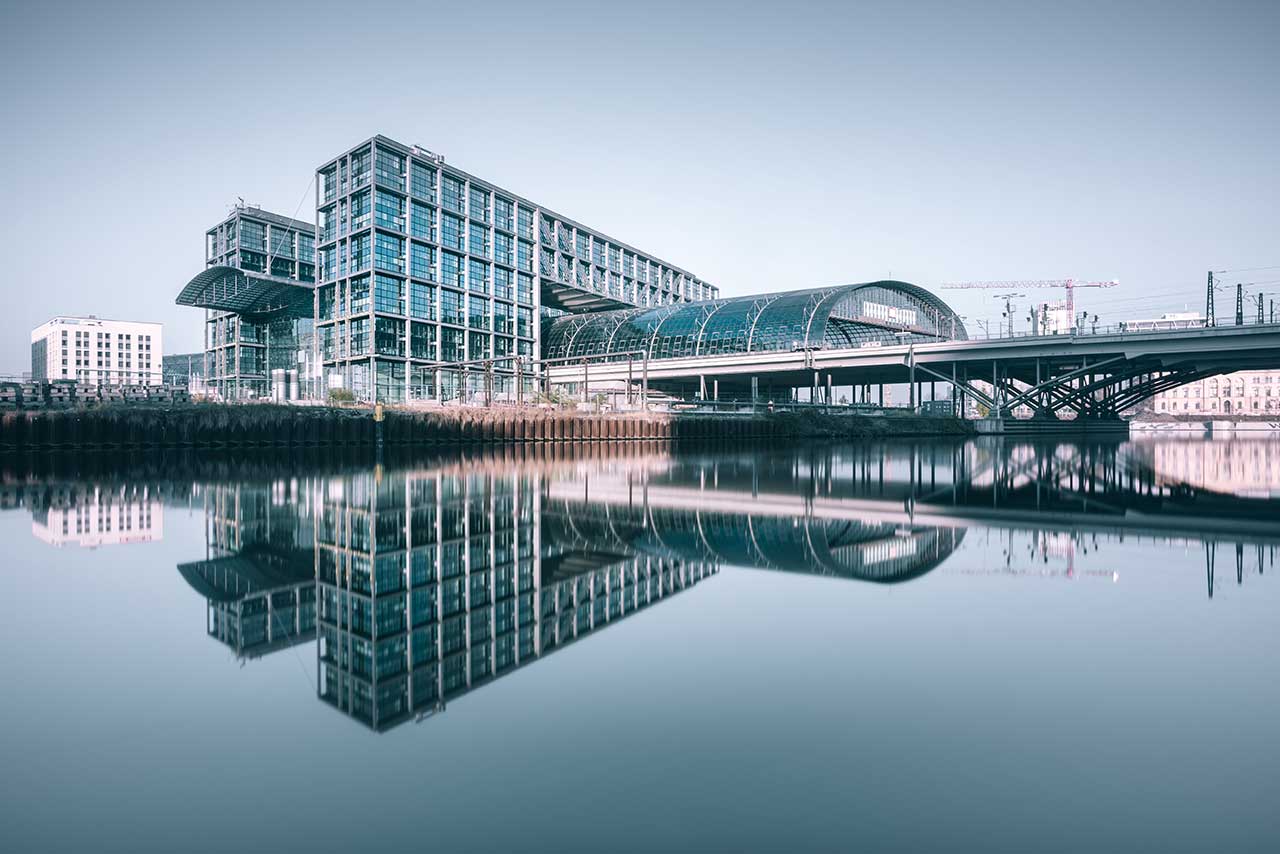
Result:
[[254, 212], [91, 320], [439, 161]]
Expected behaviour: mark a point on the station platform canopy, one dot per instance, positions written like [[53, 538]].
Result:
[[250, 294], [842, 316]]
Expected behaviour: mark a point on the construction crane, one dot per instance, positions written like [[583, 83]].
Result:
[[1069, 284]]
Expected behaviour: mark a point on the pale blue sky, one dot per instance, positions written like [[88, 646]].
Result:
[[799, 145]]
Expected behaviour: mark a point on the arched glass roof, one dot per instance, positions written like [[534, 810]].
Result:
[[820, 318], [869, 551], [232, 289]]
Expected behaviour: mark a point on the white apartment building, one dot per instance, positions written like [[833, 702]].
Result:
[[97, 352], [1238, 394]]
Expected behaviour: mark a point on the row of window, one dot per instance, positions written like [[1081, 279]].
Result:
[[274, 240], [448, 306], [424, 182], [387, 336], [465, 206]]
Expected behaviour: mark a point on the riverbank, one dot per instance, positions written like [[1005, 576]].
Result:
[[221, 426]]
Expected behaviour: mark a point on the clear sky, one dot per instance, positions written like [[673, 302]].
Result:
[[763, 148]]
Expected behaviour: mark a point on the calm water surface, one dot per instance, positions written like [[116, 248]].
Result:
[[991, 646]]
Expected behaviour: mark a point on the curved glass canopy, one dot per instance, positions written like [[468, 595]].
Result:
[[844, 316], [253, 294], [878, 552]]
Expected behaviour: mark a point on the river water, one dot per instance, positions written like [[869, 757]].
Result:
[[920, 646]]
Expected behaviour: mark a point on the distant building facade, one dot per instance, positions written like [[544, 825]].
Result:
[[1241, 393], [421, 264], [97, 351]]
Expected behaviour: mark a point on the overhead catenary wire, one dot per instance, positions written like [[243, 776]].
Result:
[[1246, 270], [271, 247]]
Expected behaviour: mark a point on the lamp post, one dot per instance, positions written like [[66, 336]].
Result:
[[903, 334]]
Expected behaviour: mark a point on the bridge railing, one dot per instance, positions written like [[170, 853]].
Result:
[[1121, 328]]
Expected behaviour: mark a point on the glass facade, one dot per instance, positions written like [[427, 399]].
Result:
[[431, 583], [464, 265], [250, 357], [847, 316]]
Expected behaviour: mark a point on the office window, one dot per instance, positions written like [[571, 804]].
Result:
[[524, 222], [524, 288], [503, 318], [479, 240], [452, 344], [390, 389], [477, 347], [390, 169], [503, 213], [359, 295], [422, 300], [360, 211], [502, 283], [451, 307], [388, 336], [389, 211], [281, 242], [501, 247], [388, 294], [422, 261], [422, 181], [524, 255], [422, 341], [324, 302], [253, 235], [451, 232], [389, 253], [360, 162], [478, 277], [583, 244], [452, 195], [451, 270], [477, 312], [360, 336], [423, 221], [479, 204]]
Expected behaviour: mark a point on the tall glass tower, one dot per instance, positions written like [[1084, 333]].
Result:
[[431, 282]]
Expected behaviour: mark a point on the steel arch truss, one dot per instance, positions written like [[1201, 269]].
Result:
[[1103, 389]]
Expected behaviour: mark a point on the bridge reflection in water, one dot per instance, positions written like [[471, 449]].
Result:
[[421, 584]]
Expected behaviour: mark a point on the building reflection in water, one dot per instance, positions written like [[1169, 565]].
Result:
[[94, 515], [423, 583], [258, 575], [431, 583]]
